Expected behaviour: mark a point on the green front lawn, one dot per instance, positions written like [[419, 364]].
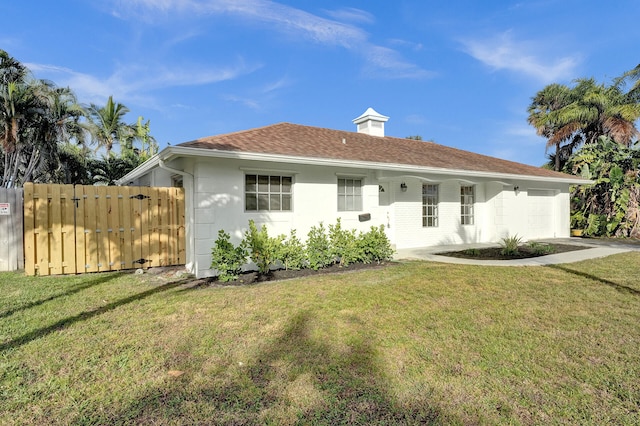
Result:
[[412, 343]]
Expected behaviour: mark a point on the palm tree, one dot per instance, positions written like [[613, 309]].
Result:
[[110, 169], [544, 106], [105, 124], [35, 116], [13, 99], [141, 131], [626, 79], [58, 124], [11, 70], [606, 111], [22, 104], [569, 117]]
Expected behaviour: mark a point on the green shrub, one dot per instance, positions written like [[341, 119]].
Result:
[[228, 259], [292, 253], [510, 245], [374, 246], [541, 249], [472, 252], [596, 225], [263, 250], [318, 248], [344, 246]]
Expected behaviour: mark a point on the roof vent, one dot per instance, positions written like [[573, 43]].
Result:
[[371, 123]]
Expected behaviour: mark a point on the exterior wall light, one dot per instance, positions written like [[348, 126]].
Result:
[[403, 187]]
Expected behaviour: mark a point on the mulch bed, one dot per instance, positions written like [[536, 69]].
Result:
[[494, 253], [253, 277]]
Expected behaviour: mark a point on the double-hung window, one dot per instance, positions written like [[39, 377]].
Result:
[[267, 193], [349, 194], [429, 205], [467, 198]]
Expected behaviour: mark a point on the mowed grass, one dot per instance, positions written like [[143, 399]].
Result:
[[413, 343]]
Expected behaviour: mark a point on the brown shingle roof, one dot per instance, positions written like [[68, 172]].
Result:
[[315, 142]]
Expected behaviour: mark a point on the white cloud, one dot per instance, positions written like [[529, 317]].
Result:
[[503, 53], [388, 63], [406, 44], [258, 97], [129, 84], [295, 22], [248, 102], [351, 14], [276, 85]]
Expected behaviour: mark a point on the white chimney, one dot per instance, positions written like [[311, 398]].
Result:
[[371, 123]]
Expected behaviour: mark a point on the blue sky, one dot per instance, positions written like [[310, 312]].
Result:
[[460, 73]]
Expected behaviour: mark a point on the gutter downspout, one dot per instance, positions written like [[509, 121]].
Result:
[[190, 266]]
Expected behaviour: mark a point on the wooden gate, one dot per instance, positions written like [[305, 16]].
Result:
[[76, 229]]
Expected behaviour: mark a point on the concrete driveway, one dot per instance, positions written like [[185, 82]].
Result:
[[595, 248]]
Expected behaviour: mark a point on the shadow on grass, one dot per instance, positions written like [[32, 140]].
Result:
[[66, 322], [619, 287], [104, 278], [296, 379]]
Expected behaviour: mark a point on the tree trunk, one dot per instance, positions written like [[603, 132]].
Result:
[[34, 158], [16, 168]]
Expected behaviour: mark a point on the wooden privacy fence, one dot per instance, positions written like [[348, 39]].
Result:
[[11, 250], [72, 229]]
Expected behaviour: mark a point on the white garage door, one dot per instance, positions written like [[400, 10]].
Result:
[[541, 223]]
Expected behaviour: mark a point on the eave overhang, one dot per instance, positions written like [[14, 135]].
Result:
[[174, 152]]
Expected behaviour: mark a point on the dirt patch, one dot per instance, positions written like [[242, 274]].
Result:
[[524, 252]]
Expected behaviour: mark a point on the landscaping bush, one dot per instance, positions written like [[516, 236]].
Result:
[[318, 248], [510, 245], [472, 252], [374, 246], [227, 258], [322, 249], [292, 253], [541, 249], [263, 249], [344, 246]]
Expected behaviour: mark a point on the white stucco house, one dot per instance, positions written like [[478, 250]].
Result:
[[290, 176]]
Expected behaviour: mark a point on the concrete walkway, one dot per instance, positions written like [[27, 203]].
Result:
[[596, 249]]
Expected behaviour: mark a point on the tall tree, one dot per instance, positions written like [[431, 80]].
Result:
[[24, 104], [13, 98], [35, 117], [630, 78], [141, 133], [106, 126], [544, 105], [569, 117], [43, 131]]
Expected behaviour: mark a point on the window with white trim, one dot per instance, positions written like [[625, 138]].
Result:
[[267, 193], [429, 205], [467, 199], [349, 194]]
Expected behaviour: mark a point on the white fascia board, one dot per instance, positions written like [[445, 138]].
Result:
[[179, 151], [142, 169]]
